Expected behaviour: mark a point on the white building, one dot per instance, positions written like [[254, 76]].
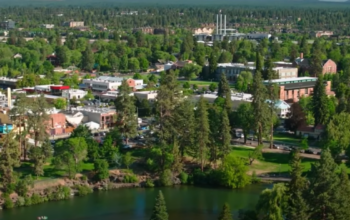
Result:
[[236, 98], [74, 93], [48, 26], [282, 108], [151, 96], [103, 83]]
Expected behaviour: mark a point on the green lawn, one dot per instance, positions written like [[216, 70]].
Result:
[[287, 138], [197, 82], [272, 162]]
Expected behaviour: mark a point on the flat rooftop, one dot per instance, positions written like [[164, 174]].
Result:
[[292, 80]]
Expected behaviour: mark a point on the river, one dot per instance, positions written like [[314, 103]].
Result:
[[183, 202]]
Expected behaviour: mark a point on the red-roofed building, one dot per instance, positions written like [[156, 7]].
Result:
[[56, 124], [311, 131]]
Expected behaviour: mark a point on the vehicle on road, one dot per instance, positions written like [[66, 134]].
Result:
[[308, 151], [275, 146], [287, 148]]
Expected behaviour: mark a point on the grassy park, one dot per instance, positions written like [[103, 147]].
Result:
[[287, 138]]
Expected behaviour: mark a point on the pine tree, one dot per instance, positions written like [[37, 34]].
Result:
[[297, 208], [259, 62], [159, 209], [259, 105], [213, 64], [225, 213], [343, 196], [126, 111], [88, 59], [223, 87], [225, 134], [323, 188], [202, 130], [320, 103]]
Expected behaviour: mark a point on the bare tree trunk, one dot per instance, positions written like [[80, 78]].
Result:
[[271, 136]]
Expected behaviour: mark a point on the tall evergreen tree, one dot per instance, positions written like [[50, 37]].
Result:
[[223, 87], [320, 102], [259, 62], [343, 196], [297, 208], [213, 64], [202, 131], [259, 105], [88, 59], [225, 134], [324, 184], [126, 111], [225, 214], [159, 210]]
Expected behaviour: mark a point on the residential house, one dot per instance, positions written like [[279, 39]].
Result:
[[311, 131], [322, 33], [73, 24], [281, 107]]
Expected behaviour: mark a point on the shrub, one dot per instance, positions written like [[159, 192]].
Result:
[[149, 183], [62, 192], [130, 178], [27, 201], [101, 169], [166, 178], [8, 204], [20, 201], [183, 177], [151, 166], [84, 190], [255, 178], [84, 178], [36, 199]]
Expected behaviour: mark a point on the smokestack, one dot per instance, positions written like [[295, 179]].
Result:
[[217, 24], [220, 23], [9, 99], [225, 24]]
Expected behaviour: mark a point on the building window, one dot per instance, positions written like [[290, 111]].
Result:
[[306, 91]]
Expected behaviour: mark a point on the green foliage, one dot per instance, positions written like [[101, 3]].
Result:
[[213, 87], [101, 169], [321, 111], [190, 71], [84, 190], [36, 199], [234, 172], [186, 85], [8, 203], [159, 210], [61, 192], [149, 183], [60, 103], [130, 178], [20, 201], [225, 213], [256, 154], [183, 177], [128, 159], [23, 184], [166, 178], [272, 202]]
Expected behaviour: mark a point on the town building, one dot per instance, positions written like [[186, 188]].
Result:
[[74, 94], [73, 24], [322, 33], [8, 24], [233, 70], [291, 89], [102, 116], [236, 98], [151, 96], [108, 83], [328, 66], [311, 131], [56, 124], [281, 107], [48, 26]]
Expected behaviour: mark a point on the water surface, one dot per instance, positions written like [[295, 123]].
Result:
[[183, 202]]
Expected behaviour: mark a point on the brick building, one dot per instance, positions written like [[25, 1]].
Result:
[[328, 66], [293, 88]]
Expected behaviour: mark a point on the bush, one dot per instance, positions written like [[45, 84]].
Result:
[[149, 183], [84, 178], [20, 201], [101, 169], [255, 178], [183, 177], [130, 178], [166, 178], [84, 190], [27, 201], [151, 166], [8, 204], [62, 192], [36, 199]]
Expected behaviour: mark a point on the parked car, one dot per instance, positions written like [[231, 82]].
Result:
[[275, 146], [302, 151], [287, 148], [308, 151], [127, 146]]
